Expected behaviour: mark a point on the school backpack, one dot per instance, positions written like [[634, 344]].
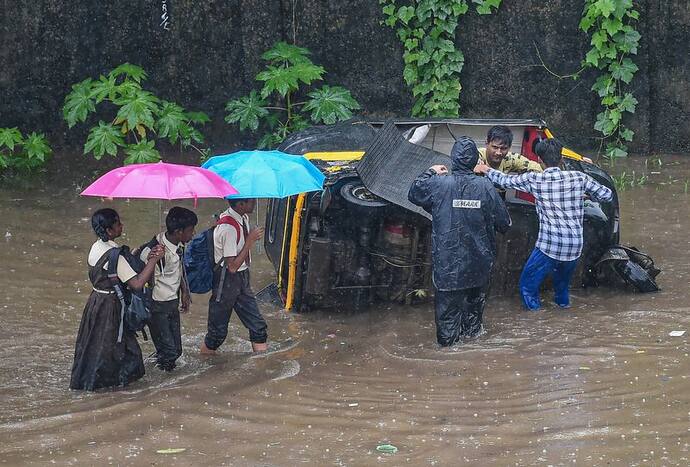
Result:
[[136, 304], [199, 261]]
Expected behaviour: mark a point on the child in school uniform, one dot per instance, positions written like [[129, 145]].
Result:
[[170, 290], [101, 361], [232, 243]]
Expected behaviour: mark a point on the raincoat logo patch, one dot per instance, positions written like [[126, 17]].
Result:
[[467, 203]]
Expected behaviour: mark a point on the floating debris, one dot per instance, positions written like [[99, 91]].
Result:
[[171, 451], [387, 448]]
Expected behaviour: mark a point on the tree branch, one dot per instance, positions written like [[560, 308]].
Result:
[[572, 75]]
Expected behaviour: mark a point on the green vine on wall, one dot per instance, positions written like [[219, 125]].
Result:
[[433, 63], [614, 40]]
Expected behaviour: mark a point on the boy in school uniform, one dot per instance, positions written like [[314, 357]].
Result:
[[170, 291], [232, 243]]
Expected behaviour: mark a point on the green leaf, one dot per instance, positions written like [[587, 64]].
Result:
[[124, 90], [411, 44], [308, 72], [298, 123], [587, 22], [627, 134], [446, 45], [4, 161], [9, 137], [138, 109], [408, 58], [605, 124], [247, 111], [624, 70], [628, 103], [188, 134], [460, 8], [616, 152], [423, 59], [330, 104], [606, 7], [628, 40], [129, 71], [279, 80], [610, 52], [621, 7], [36, 147], [612, 25], [599, 39], [170, 117], [609, 100], [592, 58], [603, 85], [405, 14], [410, 75], [615, 116], [282, 52], [197, 117], [272, 120], [102, 139], [484, 6], [141, 153], [285, 80], [78, 103], [104, 87]]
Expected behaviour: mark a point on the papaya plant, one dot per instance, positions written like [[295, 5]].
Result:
[[140, 119], [275, 109], [21, 153]]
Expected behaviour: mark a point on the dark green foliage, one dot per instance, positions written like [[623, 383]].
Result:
[[426, 29], [22, 154], [273, 110], [140, 120], [614, 39]]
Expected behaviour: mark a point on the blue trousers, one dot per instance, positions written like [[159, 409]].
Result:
[[537, 268]]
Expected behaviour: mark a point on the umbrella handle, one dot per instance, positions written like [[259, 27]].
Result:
[[258, 244]]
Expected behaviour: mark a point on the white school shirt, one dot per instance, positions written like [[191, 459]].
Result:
[[225, 242], [168, 279], [99, 248]]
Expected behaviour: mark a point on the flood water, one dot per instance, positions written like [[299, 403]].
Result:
[[601, 383]]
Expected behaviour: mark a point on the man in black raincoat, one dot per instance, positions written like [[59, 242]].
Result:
[[466, 212]]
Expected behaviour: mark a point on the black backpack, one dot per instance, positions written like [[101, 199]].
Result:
[[136, 304]]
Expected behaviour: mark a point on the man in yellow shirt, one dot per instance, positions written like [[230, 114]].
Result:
[[496, 154]]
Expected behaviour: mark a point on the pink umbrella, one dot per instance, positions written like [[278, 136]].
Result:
[[160, 181]]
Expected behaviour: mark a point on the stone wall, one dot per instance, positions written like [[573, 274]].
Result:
[[209, 52]]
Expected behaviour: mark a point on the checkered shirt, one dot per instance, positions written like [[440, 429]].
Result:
[[560, 206]]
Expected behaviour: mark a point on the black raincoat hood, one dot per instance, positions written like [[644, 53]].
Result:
[[464, 155]]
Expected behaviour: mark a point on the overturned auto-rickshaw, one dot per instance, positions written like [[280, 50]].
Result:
[[360, 241]]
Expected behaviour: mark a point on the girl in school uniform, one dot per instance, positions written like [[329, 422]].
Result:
[[99, 360]]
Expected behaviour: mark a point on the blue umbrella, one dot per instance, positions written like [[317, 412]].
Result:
[[266, 174]]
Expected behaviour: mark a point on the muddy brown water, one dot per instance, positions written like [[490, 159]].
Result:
[[602, 383]]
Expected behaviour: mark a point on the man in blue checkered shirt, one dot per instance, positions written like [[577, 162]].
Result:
[[560, 198]]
